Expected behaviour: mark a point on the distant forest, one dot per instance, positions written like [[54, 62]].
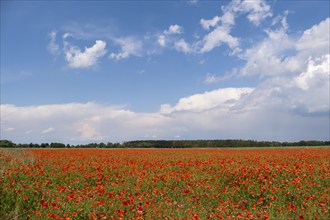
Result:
[[170, 144]]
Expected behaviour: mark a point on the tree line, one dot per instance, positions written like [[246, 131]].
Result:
[[170, 144]]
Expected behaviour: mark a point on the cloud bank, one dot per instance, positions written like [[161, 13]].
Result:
[[280, 108], [291, 102]]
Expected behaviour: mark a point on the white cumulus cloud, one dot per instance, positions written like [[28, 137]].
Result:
[[216, 37], [199, 102], [255, 11], [129, 46], [316, 40], [87, 58], [168, 36], [174, 29], [182, 46], [315, 86], [270, 57], [317, 74], [305, 93], [206, 24], [280, 53]]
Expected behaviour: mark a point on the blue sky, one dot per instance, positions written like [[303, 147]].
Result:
[[99, 71]]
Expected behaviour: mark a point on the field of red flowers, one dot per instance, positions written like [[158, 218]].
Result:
[[165, 184]]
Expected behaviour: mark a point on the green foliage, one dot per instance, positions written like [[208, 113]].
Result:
[[57, 145], [7, 144]]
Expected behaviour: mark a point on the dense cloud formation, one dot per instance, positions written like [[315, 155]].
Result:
[[290, 102]]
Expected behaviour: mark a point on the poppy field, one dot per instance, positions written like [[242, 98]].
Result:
[[283, 183]]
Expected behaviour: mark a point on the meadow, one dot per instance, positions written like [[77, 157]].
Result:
[[283, 183]]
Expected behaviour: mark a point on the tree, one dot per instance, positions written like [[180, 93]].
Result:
[[6, 144], [57, 145]]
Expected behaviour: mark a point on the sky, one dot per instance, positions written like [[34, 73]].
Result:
[[113, 71]]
